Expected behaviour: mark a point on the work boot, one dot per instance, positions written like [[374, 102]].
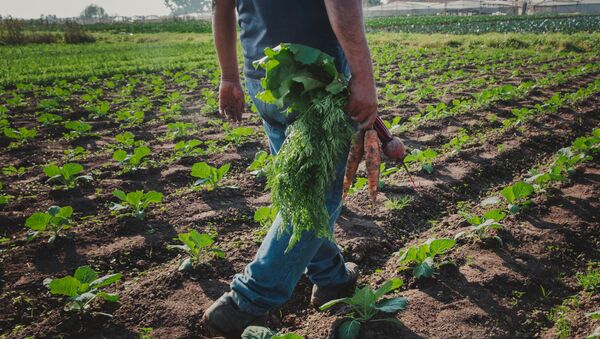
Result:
[[321, 295], [224, 318]]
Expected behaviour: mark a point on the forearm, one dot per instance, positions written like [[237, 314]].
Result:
[[225, 35], [346, 19]]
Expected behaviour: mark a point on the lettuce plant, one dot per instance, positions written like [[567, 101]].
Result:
[[423, 256], [366, 304], [83, 287], [207, 176], [135, 202], [132, 161], [55, 220], [198, 246], [67, 175]]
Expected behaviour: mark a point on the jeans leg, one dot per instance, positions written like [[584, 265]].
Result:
[[269, 280]]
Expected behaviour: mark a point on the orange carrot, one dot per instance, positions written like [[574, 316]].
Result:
[[354, 158], [373, 160]]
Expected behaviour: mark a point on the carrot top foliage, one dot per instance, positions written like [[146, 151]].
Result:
[[306, 81]]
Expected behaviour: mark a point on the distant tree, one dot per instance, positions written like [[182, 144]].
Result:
[[178, 7], [92, 12]]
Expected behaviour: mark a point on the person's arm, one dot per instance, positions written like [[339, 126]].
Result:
[[231, 95], [346, 19]]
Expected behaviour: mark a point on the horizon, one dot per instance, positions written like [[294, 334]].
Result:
[[33, 9]]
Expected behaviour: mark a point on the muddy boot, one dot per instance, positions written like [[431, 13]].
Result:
[[224, 318], [321, 295]]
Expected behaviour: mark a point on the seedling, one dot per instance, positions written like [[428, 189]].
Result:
[[208, 176], [12, 170], [130, 117], [49, 119], [133, 161], [423, 256], [359, 184], [385, 172], [67, 175], [179, 129], [393, 124], [265, 216], [77, 129], [481, 226], [21, 135], [82, 288], [398, 203], [259, 332], [135, 202], [237, 135], [424, 158], [188, 149], [55, 220], [99, 110], [76, 153], [4, 198], [127, 141], [198, 246], [366, 304], [260, 164], [517, 196]]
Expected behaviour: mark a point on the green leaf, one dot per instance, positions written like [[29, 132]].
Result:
[[38, 221], [153, 197], [392, 305], [112, 297], [52, 170], [72, 169], [439, 246], [388, 286], [495, 214], [68, 286], [334, 302], [349, 329], [201, 240], [257, 332], [120, 194], [106, 280], [522, 189], [85, 274], [120, 155], [186, 264], [201, 170], [425, 269]]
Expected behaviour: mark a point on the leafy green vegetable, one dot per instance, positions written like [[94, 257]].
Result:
[[480, 226], [237, 135], [137, 202], [77, 129], [259, 332], [208, 176], [260, 164], [366, 304], [55, 220], [188, 148], [83, 287], [517, 195], [4, 198], [307, 81], [424, 158], [133, 161], [423, 256], [197, 246], [21, 135], [67, 175]]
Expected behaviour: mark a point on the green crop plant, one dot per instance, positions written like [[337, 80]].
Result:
[[77, 129], [66, 175], [130, 118], [49, 119], [126, 140], [424, 158], [236, 135], [208, 177], [482, 225], [83, 287], [265, 216], [4, 198], [392, 124], [179, 129], [517, 196], [366, 304], [133, 161], [54, 221], [459, 141], [76, 153], [12, 170], [398, 203], [423, 256], [596, 317], [198, 246], [21, 135], [385, 172], [188, 148], [48, 105], [135, 203], [259, 332], [260, 163], [99, 110]]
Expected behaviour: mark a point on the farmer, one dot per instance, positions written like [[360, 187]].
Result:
[[336, 27]]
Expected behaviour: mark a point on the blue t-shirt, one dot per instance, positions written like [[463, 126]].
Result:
[[267, 23]]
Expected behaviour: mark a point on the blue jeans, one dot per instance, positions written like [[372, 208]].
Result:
[[270, 279]]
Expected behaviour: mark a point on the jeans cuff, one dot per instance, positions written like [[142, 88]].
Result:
[[245, 305]]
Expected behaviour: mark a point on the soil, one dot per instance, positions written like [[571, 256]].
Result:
[[486, 290]]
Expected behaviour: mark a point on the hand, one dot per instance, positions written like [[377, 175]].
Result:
[[231, 99], [362, 102]]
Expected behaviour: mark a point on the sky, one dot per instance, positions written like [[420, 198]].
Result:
[[71, 8]]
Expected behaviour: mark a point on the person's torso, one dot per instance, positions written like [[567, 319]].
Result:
[[267, 23]]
